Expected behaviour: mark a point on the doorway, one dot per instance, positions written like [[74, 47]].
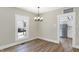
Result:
[[22, 27], [66, 29]]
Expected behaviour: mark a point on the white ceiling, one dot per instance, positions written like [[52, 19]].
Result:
[[41, 10]]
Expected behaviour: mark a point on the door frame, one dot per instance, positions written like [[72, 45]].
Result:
[[74, 26], [16, 28]]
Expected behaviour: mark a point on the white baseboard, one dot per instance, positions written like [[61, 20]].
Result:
[[47, 39], [51, 40], [75, 46], [14, 43], [19, 42]]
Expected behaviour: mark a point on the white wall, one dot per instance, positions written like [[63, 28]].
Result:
[[7, 24]]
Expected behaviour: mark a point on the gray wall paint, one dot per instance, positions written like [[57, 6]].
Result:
[[7, 24], [77, 26], [6, 16], [48, 28]]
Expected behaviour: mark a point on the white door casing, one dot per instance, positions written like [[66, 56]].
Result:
[[21, 18], [70, 19]]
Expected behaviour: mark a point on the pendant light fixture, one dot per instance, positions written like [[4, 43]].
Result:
[[38, 18]]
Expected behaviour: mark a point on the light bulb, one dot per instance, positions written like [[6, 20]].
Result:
[[35, 18], [41, 17], [38, 17]]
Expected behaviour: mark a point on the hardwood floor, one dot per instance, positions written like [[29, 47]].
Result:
[[37, 45]]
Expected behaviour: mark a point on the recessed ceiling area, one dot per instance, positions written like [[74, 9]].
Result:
[[41, 10]]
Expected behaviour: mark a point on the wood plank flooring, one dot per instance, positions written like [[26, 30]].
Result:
[[37, 45]]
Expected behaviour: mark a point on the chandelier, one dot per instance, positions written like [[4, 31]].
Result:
[[38, 18]]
